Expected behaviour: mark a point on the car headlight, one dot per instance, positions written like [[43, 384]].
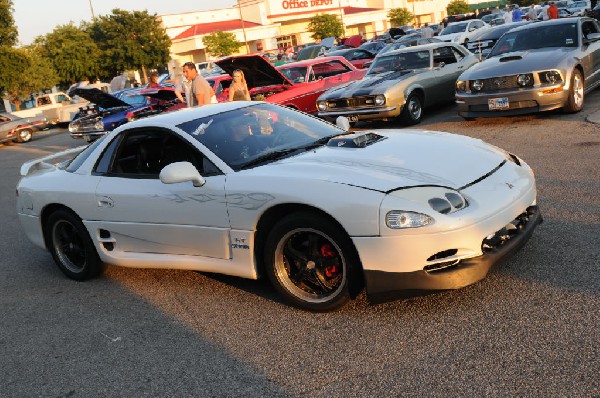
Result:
[[99, 126], [72, 128], [398, 219], [550, 77], [380, 99], [525, 80], [322, 105], [461, 86], [476, 85]]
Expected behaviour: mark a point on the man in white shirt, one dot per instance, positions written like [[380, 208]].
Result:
[[508, 16], [426, 31]]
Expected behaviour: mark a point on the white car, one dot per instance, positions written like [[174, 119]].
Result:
[[461, 32], [252, 189]]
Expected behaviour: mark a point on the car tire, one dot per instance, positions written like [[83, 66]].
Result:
[[576, 93], [312, 262], [24, 135], [413, 110], [71, 246]]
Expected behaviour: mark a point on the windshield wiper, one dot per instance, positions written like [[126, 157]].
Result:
[[269, 156]]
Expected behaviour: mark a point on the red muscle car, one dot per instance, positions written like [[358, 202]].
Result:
[[296, 85]]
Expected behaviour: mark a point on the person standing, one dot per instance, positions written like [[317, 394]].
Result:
[[426, 31], [508, 16], [280, 61], [517, 14], [200, 92], [552, 11], [531, 14], [154, 81], [238, 90]]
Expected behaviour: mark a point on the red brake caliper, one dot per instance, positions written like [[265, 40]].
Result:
[[327, 251]]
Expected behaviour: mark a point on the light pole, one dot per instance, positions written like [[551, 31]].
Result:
[[342, 17], [92, 9], [243, 28]]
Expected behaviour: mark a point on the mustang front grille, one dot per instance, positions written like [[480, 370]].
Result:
[[497, 84], [353, 102]]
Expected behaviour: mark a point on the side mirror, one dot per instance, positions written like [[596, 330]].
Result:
[[181, 172], [441, 65], [343, 123]]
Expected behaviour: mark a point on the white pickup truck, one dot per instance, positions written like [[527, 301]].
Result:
[[56, 107]]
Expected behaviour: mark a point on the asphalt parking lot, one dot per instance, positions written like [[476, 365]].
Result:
[[530, 329]]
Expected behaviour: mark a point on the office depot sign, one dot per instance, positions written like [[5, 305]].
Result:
[[304, 4]]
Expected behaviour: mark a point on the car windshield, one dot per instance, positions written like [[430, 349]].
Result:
[[134, 99], [540, 36], [400, 61], [258, 134], [394, 46], [296, 74], [455, 28]]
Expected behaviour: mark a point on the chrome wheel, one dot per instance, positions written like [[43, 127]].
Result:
[[414, 108], [68, 246], [310, 265], [577, 90], [24, 135]]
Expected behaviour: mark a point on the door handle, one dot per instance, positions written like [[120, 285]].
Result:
[[105, 201]]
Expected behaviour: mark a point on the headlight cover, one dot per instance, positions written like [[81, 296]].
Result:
[[322, 105], [550, 77], [398, 219], [379, 99], [461, 86], [525, 80], [476, 85]]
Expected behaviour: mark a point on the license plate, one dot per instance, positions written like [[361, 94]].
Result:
[[497, 103], [352, 118]]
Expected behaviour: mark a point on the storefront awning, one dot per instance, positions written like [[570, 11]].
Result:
[[487, 4]]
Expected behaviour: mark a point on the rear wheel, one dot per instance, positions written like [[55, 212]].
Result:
[[71, 246], [24, 135], [311, 262], [576, 93], [413, 110]]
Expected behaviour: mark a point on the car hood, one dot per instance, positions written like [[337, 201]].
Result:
[[517, 62], [258, 71], [401, 159], [98, 97], [370, 85], [449, 36]]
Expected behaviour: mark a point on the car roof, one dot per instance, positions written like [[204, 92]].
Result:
[[312, 61], [423, 47], [560, 21]]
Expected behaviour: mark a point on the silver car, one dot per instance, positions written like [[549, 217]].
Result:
[[537, 67], [400, 83]]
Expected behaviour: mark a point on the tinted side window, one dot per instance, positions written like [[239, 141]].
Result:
[[443, 54], [459, 55], [331, 68], [144, 153]]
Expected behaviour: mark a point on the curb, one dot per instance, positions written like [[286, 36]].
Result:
[[594, 117]]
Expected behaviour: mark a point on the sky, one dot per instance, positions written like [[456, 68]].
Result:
[[38, 17]]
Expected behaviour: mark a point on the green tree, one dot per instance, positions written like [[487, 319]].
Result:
[[72, 52], [221, 44], [458, 7], [399, 16], [8, 31], [325, 25], [129, 40], [27, 72]]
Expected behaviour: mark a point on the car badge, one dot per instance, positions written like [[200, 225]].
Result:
[[510, 186], [341, 143], [499, 82]]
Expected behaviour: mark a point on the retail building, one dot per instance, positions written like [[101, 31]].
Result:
[[267, 25]]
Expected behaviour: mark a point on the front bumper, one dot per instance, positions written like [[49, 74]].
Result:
[[91, 134], [520, 102], [384, 286], [364, 113]]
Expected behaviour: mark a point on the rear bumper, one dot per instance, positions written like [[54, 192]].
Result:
[[384, 286]]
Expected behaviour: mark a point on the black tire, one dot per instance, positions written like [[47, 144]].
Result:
[[576, 93], [311, 262], [24, 135], [413, 110], [71, 246]]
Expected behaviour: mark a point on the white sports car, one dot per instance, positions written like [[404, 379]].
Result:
[[251, 189]]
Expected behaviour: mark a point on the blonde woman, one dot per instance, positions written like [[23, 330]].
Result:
[[238, 90]]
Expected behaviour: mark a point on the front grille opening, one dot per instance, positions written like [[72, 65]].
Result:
[[443, 254], [104, 234], [109, 246], [503, 235], [441, 266]]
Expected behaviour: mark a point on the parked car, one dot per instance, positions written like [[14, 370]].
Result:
[[18, 129], [410, 42], [400, 83], [356, 56], [462, 32], [595, 13], [374, 46], [537, 67], [482, 42], [111, 112], [297, 84], [220, 85], [317, 210]]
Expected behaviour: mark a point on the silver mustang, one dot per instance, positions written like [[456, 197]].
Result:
[[400, 84], [537, 67]]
